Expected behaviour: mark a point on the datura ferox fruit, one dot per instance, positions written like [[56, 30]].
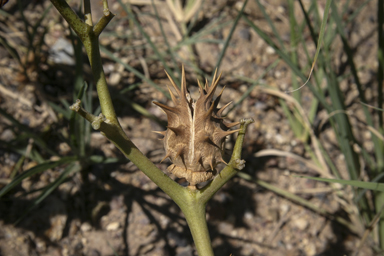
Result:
[[194, 140]]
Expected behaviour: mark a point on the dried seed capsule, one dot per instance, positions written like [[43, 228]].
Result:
[[194, 140]]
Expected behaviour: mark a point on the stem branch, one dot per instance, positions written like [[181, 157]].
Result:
[[231, 169]]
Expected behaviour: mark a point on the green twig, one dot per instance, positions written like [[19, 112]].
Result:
[[233, 166], [89, 36]]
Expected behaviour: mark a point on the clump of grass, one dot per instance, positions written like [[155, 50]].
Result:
[[331, 98]]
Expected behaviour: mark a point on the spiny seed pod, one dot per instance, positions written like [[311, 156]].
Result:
[[194, 140]]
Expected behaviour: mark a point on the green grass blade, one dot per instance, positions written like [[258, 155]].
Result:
[[376, 186], [320, 40], [308, 21], [293, 45], [97, 159], [134, 71], [146, 36], [143, 111], [378, 145], [73, 167], [356, 12], [362, 193], [34, 170], [297, 200], [65, 112], [226, 43], [287, 60], [11, 50], [4, 13], [169, 48], [254, 84], [343, 128], [271, 24], [130, 88], [40, 142]]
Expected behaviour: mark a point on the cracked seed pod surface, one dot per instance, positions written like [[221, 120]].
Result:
[[194, 140]]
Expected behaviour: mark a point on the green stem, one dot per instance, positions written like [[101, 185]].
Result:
[[115, 134], [92, 47], [231, 169], [194, 211], [69, 15], [89, 35]]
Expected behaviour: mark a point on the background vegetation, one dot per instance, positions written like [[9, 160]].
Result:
[[67, 189]]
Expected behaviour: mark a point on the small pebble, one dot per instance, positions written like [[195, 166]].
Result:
[[270, 50], [113, 226], [85, 227], [301, 224]]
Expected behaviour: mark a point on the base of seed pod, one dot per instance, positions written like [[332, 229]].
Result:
[[192, 177]]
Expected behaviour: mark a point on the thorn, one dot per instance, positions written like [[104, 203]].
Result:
[[211, 164], [183, 84], [212, 88], [167, 155], [222, 90], [211, 91], [217, 100], [231, 132], [209, 111], [176, 130], [201, 161], [173, 84], [201, 89], [206, 85], [172, 95], [210, 141], [230, 125], [222, 134], [222, 160], [222, 108], [179, 152], [165, 107], [218, 78], [215, 80], [160, 132], [214, 77], [171, 167]]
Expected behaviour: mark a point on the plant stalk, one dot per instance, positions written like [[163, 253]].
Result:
[[191, 202], [194, 212]]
